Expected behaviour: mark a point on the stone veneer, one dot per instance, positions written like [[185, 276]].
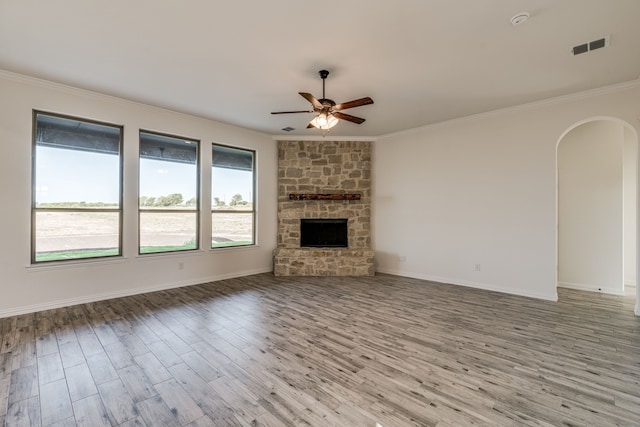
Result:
[[324, 167]]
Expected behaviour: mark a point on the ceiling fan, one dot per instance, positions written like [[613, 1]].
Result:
[[328, 111]]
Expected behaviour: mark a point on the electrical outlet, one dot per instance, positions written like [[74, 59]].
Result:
[[478, 267], [402, 258]]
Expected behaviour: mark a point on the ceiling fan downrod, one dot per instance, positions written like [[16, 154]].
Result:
[[323, 75]]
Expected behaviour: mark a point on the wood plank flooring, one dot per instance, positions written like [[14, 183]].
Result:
[[309, 351]]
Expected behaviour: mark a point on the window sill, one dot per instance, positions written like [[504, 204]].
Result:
[[80, 263], [234, 248], [176, 254]]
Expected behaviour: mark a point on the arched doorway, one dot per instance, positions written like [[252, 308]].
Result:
[[597, 162]]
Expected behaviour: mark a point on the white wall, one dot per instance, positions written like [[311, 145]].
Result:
[[25, 289], [630, 177], [590, 207], [481, 191]]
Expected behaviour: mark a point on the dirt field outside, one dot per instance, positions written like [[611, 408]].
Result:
[[70, 231]]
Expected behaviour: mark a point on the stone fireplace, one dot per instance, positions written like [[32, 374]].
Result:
[[324, 180]]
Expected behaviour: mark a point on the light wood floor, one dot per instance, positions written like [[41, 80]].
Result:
[[265, 350]]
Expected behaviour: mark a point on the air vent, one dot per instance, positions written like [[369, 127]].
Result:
[[597, 44], [583, 48], [288, 129], [588, 47]]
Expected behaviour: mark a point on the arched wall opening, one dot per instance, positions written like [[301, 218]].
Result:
[[597, 188]]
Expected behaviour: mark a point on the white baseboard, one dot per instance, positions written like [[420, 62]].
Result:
[[136, 291], [591, 288], [476, 285], [122, 293]]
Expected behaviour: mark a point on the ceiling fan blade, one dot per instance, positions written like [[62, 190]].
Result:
[[309, 126], [312, 99], [354, 103], [348, 117], [291, 112]]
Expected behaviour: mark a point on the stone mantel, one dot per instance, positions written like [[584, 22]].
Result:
[[325, 196]]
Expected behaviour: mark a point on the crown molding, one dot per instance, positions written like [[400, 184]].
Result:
[[320, 138], [23, 78], [590, 93], [87, 93], [619, 87]]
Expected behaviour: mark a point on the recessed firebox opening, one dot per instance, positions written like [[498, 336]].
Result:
[[324, 233]]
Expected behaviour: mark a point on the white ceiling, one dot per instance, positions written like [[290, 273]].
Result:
[[422, 61]]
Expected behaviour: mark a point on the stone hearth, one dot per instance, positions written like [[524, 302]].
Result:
[[324, 168]]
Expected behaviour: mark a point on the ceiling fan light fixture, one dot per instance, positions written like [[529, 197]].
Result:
[[324, 121]]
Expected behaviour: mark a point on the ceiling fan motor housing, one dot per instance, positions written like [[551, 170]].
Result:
[[327, 103]]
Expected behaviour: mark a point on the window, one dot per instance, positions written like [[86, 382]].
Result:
[[169, 194], [232, 197], [77, 189]]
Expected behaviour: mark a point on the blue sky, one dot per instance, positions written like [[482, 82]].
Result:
[[75, 176]]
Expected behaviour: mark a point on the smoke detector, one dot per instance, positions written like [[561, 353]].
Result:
[[519, 18]]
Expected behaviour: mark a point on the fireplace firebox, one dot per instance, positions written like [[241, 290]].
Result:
[[323, 233]]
